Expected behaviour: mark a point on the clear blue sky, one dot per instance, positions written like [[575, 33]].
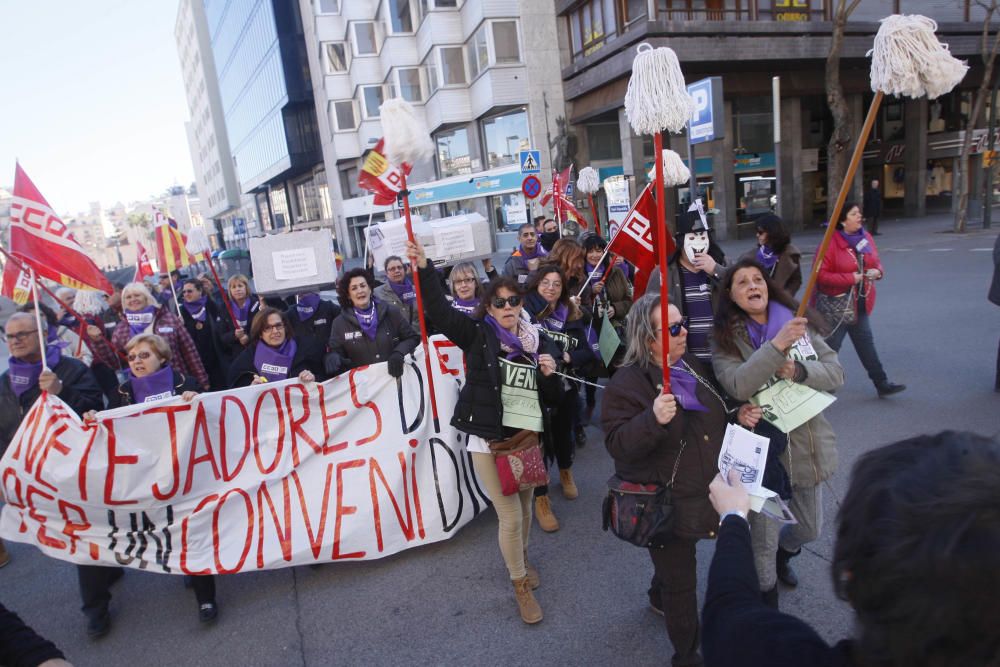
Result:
[[93, 101]]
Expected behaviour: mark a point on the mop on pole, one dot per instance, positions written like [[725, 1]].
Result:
[[589, 182]]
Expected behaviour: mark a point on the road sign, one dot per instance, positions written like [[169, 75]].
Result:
[[531, 186], [531, 162], [706, 121]]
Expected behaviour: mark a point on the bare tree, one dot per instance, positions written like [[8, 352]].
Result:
[[988, 51], [838, 148]]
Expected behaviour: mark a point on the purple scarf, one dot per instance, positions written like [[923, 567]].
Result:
[[52, 338], [854, 239], [368, 320], [154, 386], [513, 344], [466, 306], [683, 385], [196, 309], [307, 304], [539, 252], [139, 320], [404, 291], [767, 257], [777, 316], [24, 376], [274, 364], [595, 272], [242, 312], [556, 321]]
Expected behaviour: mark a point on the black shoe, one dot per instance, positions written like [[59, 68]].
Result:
[[99, 625], [786, 574], [770, 597], [208, 612], [580, 436], [889, 388]]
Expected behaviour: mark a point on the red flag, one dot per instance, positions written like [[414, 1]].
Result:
[[171, 249], [565, 186], [40, 239], [143, 268], [636, 238], [380, 177], [16, 282]]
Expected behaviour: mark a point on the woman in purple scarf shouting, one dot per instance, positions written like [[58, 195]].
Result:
[[274, 354]]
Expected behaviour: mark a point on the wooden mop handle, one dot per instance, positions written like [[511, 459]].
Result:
[[597, 219], [852, 168]]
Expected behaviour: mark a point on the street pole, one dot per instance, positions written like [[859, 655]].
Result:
[[991, 147], [776, 103]]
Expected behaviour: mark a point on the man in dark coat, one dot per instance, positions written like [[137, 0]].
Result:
[[872, 207]]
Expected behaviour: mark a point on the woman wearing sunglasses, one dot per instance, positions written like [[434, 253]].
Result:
[[755, 331], [497, 336], [274, 354], [150, 378], [204, 322], [550, 307], [659, 438]]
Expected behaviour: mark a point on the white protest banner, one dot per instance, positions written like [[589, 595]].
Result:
[[446, 240], [619, 202], [268, 476]]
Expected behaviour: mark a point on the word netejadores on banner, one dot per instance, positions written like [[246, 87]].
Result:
[[262, 477]]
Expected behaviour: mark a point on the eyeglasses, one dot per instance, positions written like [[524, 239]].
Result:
[[500, 302], [463, 281], [139, 355], [189, 291], [280, 326], [675, 329], [20, 337]]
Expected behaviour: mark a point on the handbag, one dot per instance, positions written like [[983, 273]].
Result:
[[837, 310], [641, 514], [519, 462]]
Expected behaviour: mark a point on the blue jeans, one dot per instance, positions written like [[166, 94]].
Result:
[[864, 344]]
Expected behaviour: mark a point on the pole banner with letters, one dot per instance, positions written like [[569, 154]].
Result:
[[267, 476]]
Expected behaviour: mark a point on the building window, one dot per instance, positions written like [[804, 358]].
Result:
[[452, 67], [373, 97], [478, 53], [604, 141], [279, 206], [432, 73], [400, 17], [409, 84], [504, 136], [334, 57], [453, 153], [635, 10], [308, 200], [329, 6], [591, 25], [349, 187], [342, 116], [364, 39], [505, 44]]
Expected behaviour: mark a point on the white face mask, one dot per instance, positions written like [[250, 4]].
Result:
[[695, 242]]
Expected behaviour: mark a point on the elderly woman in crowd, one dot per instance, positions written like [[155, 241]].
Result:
[[205, 322], [398, 290], [367, 331], [275, 354], [672, 439], [757, 339], [143, 314], [465, 285], [775, 252], [496, 335], [245, 306], [151, 378], [548, 303]]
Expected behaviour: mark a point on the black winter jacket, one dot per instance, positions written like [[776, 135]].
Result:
[[308, 357], [479, 410], [228, 334], [20, 646], [182, 383], [348, 346], [581, 355], [316, 327], [214, 354]]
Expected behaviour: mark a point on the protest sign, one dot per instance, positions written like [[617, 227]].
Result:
[[285, 264], [788, 404], [446, 241], [619, 202], [267, 476]]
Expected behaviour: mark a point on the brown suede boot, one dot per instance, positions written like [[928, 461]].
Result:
[[543, 512], [526, 602], [568, 485], [4, 556], [532, 573]]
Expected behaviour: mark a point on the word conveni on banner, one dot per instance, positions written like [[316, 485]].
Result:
[[267, 476]]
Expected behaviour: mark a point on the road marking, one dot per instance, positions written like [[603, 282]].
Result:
[[898, 249], [940, 249], [980, 249]]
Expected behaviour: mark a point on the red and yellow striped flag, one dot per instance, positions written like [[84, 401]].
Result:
[[171, 249]]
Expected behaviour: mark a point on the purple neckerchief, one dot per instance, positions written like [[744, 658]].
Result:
[[466, 306], [24, 376], [242, 312], [508, 340], [307, 304], [856, 238], [52, 338], [767, 257], [683, 386], [368, 320], [139, 320], [274, 363], [404, 291], [777, 316], [524, 256], [556, 321], [154, 386], [595, 272], [67, 321], [196, 309]]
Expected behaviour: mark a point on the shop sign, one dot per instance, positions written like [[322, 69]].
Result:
[[791, 10]]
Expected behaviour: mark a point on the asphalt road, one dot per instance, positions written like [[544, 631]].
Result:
[[450, 602]]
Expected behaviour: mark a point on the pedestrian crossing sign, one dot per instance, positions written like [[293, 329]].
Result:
[[531, 162]]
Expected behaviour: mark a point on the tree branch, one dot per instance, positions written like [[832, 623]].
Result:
[[852, 7]]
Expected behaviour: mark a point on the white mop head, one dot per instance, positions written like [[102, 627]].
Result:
[[406, 137], [657, 97], [197, 241], [588, 181], [908, 59], [89, 302], [675, 172]]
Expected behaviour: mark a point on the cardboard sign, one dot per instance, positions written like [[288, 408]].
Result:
[[446, 241], [294, 262]]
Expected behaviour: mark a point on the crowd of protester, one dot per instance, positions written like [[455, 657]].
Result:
[[731, 327]]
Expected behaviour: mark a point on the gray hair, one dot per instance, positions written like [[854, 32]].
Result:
[[640, 332], [140, 288], [465, 268]]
